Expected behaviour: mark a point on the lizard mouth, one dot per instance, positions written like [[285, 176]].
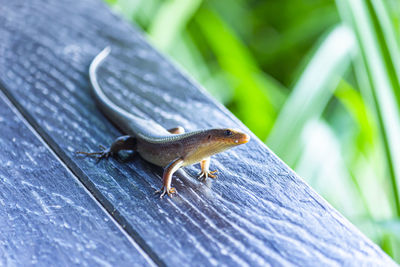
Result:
[[243, 139]]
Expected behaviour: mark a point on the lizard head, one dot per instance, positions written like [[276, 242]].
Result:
[[218, 140], [229, 137], [213, 141]]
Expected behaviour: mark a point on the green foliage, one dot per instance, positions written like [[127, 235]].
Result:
[[311, 93], [251, 88], [319, 80]]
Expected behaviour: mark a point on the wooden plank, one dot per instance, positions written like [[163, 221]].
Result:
[[258, 212], [46, 215]]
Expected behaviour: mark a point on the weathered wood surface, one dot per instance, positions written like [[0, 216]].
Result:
[[258, 212], [46, 215]]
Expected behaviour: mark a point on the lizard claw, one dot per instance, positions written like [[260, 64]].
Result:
[[105, 153], [164, 191], [203, 175]]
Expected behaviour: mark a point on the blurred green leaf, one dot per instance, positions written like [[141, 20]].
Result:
[[355, 105], [255, 92], [322, 165], [380, 69], [125, 7], [311, 93], [186, 53], [281, 32], [391, 226], [390, 237], [388, 44], [111, 2], [170, 20]]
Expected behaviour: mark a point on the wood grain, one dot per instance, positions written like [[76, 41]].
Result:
[[259, 212], [46, 215]]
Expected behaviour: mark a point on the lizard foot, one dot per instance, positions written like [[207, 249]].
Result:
[[203, 175], [164, 191], [104, 153]]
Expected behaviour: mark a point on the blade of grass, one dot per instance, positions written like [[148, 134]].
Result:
[[300, 32], [354, 104], [366, 139], [257, 96], [390, 237], [170, 20], [380, 70], [212, 79], [322, 163], [311, 93], [390, 46], [111, 2], [138, 11]]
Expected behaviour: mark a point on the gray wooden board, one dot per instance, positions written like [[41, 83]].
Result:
[[258, 212], [46, 215]]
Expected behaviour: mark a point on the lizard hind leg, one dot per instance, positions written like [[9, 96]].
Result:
[[125, 142]]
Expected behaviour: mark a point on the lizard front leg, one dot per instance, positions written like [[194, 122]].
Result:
[[167, 177], [205, 170]]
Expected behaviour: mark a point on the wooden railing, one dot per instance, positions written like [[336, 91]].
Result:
[[60, 208]]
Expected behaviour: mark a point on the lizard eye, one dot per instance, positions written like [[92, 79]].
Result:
[[228, 133]]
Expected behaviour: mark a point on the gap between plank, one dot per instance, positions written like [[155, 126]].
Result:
[[119, 220]]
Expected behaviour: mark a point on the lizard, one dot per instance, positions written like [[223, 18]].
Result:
[[170, 149]]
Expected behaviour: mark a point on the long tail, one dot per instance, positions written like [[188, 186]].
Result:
[[116, 114], [127, 122]]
